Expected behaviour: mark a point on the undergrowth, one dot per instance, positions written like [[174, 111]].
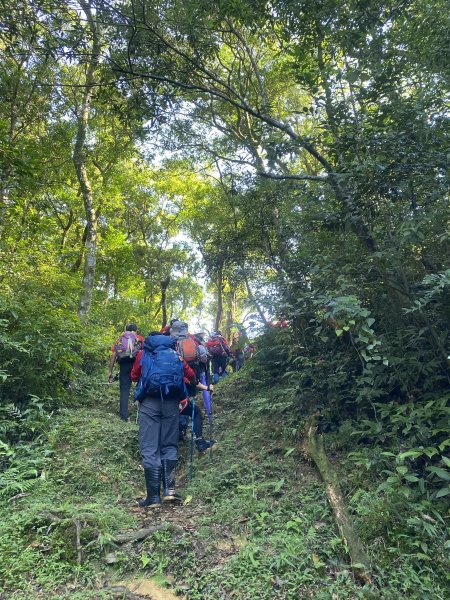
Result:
[[84, 491], [255, 524]]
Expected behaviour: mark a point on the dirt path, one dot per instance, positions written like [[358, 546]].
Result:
[[181, 518]]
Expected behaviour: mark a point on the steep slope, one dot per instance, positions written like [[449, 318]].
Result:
[[255, 523]]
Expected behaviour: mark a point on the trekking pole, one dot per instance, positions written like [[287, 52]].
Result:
[[192, 440], [207, 400], [210, 417], [115, 378]]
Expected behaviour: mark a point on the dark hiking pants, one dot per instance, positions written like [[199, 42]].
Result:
[[158, 431], [239, 360], [198, 418], [219, 365], [125, 366]]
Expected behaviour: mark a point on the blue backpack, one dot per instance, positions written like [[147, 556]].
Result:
[[162, 370]]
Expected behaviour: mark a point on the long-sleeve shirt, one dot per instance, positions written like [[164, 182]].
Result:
[[136, 371]]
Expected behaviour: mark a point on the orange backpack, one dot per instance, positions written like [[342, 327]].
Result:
[[187, 349]]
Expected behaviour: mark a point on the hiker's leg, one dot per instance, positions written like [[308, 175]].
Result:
[[150, 431], [215, 367], [223, 365], [183, 426], [198, 422], [198, 418], [149, 438], [169, 429], [125, 386], [169, 448], [202, 444]]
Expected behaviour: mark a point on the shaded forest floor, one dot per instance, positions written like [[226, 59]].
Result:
[[255, 523]]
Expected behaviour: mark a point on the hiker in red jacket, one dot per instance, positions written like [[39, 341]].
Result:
[[166, 329], [218, 348], [136, 371], [124, 351], [162, 376]]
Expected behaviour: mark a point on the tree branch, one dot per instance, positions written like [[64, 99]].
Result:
[[297, 177]]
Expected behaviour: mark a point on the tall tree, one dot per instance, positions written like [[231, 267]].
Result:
[[80, 157]]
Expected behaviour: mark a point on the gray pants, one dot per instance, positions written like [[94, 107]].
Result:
[[125, 367], [158, 431]]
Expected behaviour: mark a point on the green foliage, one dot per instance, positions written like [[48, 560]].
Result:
[[342, 108], [44, 349], [79, 487], [24, 450]]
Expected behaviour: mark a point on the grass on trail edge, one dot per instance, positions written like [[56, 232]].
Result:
[[255, 523]]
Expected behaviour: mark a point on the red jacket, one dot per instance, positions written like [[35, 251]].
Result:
[[223, 342], [136, 371]]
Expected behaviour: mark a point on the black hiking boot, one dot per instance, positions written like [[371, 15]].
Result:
[[169, 473], [153, 483], [204, 445]]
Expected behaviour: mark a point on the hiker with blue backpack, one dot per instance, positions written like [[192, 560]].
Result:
[[162, 375], [124, 352]]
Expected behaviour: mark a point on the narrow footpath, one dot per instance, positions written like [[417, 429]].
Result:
[[255, 522]]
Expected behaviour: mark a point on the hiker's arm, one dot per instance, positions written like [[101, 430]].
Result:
[[136, 371], [189, 374], [206, 388]]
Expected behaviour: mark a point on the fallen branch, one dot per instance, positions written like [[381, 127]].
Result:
[[141, 534], [78, 541], [18, 496], [120, 591], [61, 518], [314, 448]]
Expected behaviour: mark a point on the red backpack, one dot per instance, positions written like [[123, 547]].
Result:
[[216, 346]]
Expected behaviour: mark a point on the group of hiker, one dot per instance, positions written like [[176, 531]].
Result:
[[169, 367]]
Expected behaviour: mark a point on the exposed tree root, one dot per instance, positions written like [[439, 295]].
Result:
[[314, 448], [122, 593], [141, 534]]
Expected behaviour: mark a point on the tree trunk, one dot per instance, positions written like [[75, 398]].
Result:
[[314, 448], [66, 230], [164, 285], [80, 163], [252, 299], [219, 313], [231, 311]]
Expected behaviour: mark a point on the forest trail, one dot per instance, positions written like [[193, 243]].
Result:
[[278, 167], [250, 516], [184, 522], [255, 522]]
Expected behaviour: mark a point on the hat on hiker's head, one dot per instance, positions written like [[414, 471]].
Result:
[[131, 327]]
